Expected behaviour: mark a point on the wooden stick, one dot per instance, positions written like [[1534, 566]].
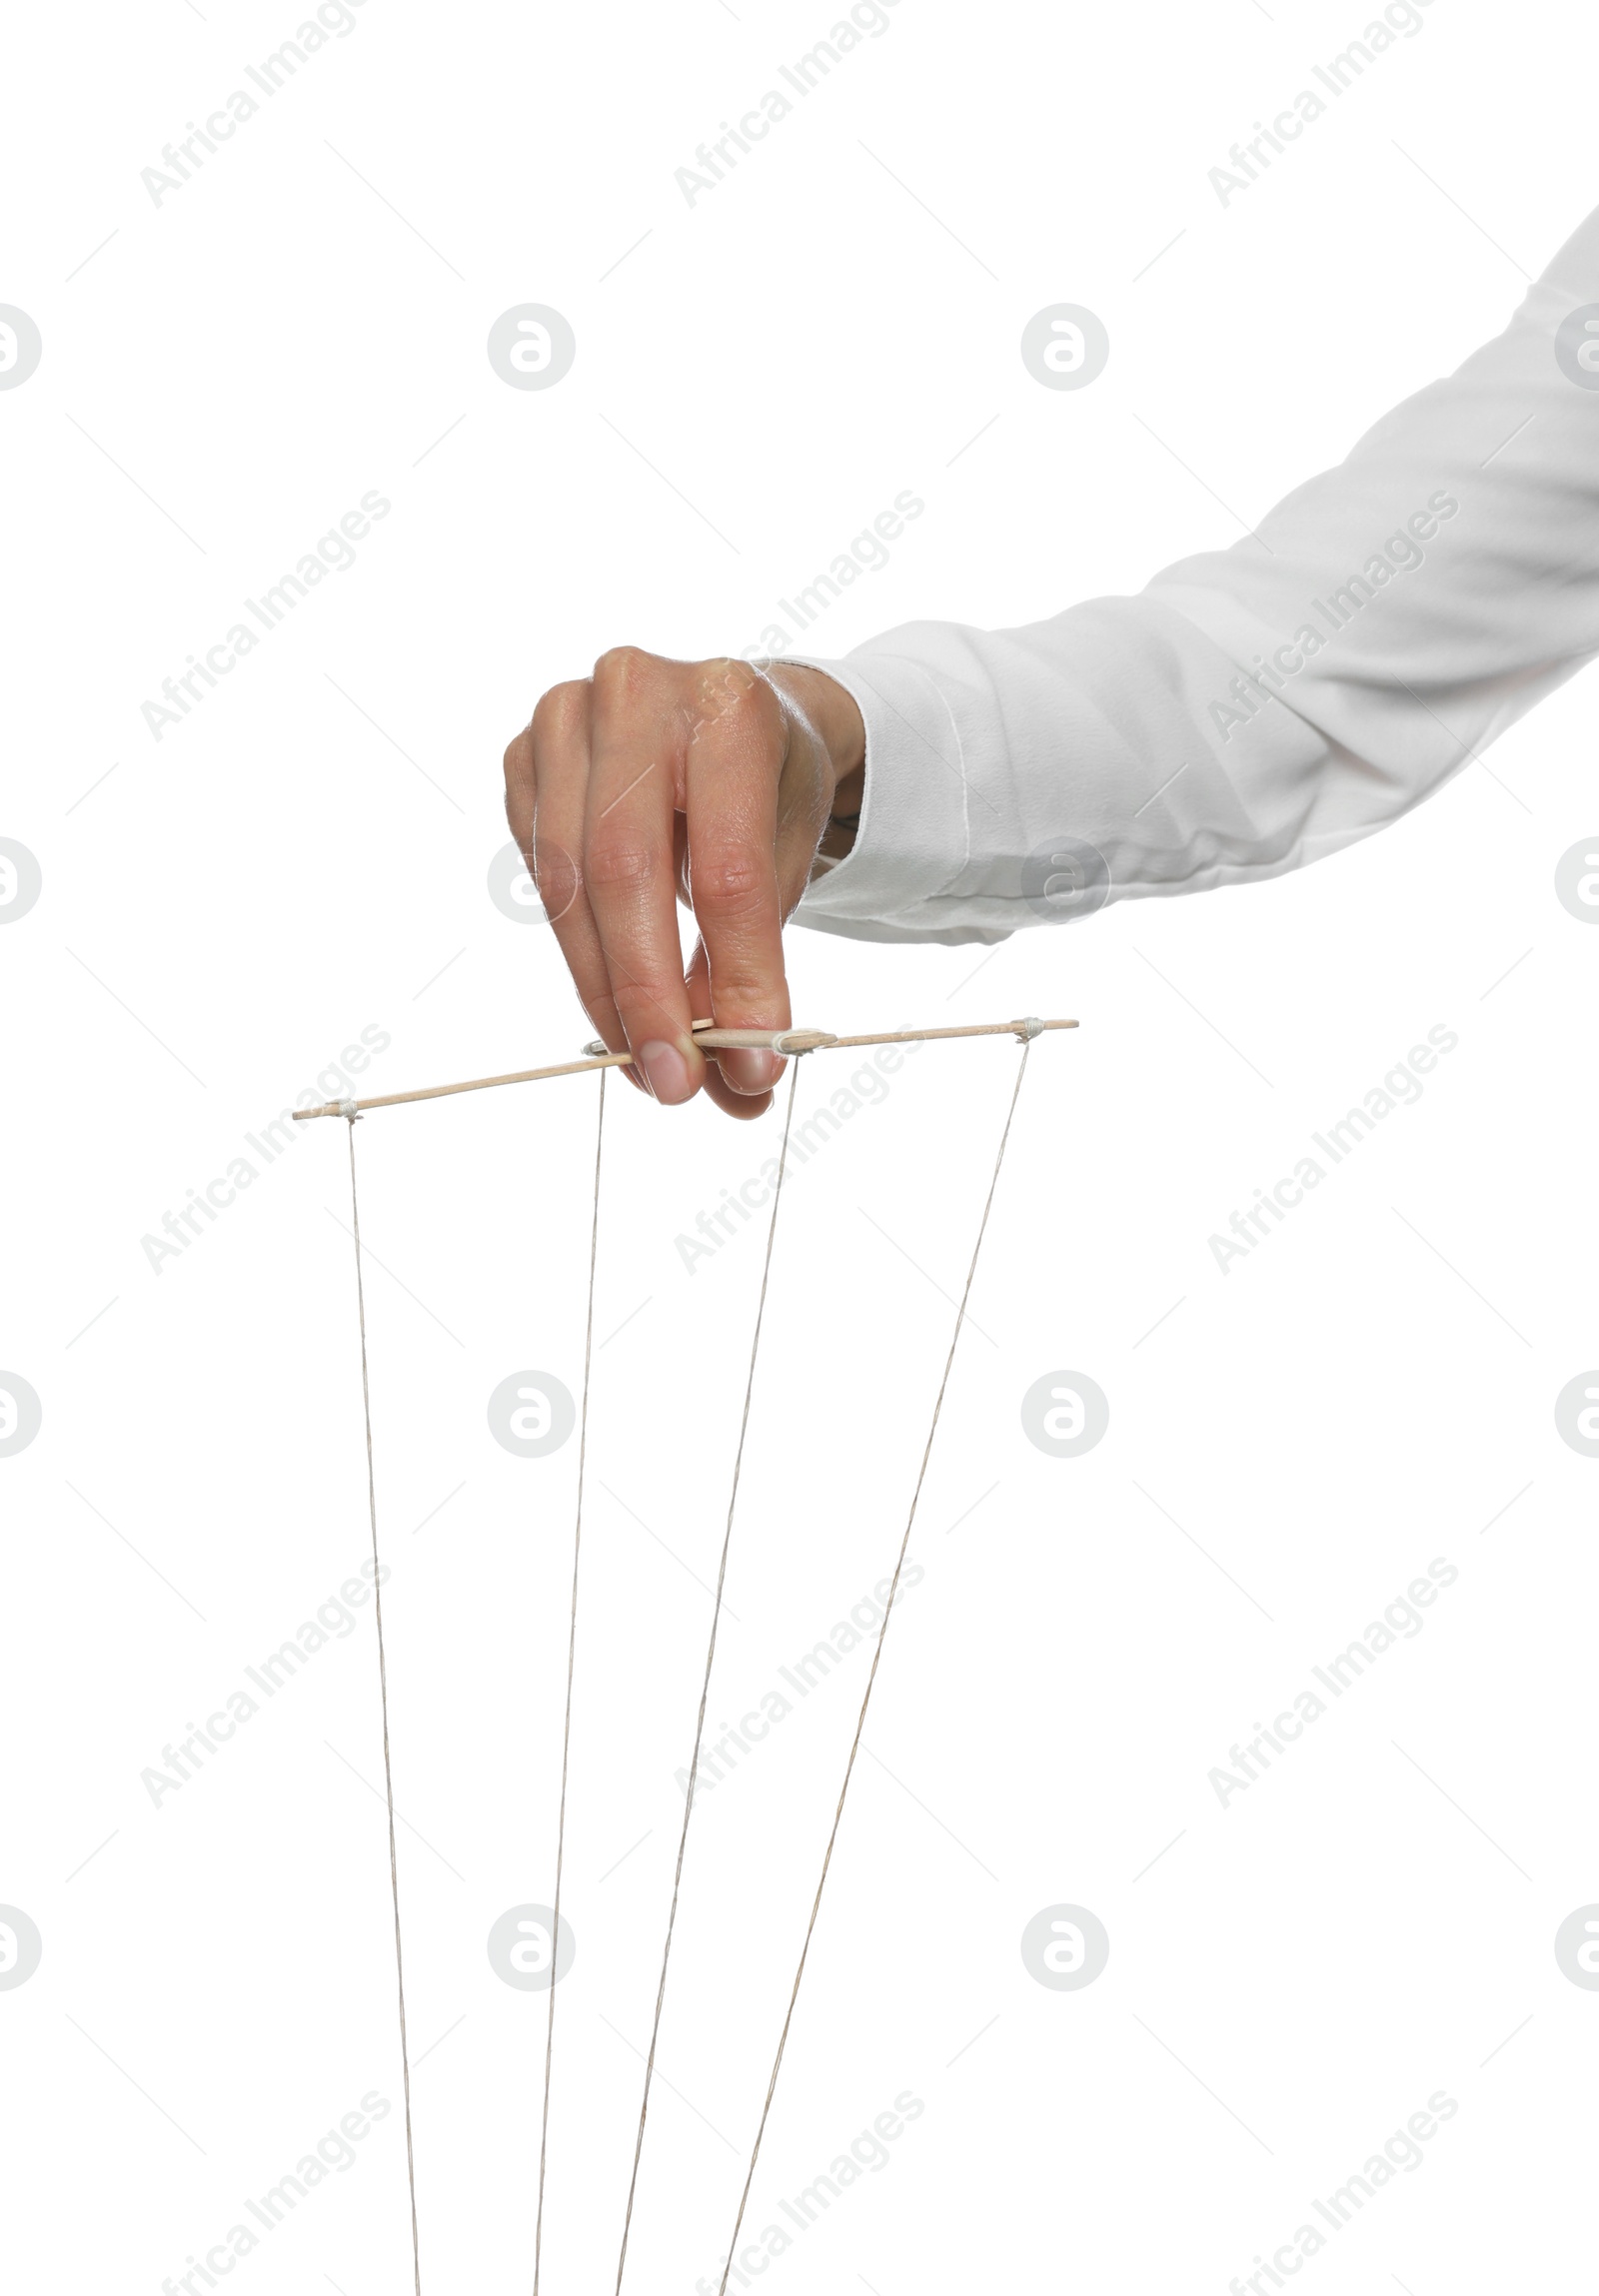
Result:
[[784, 1041], [932, 1035]]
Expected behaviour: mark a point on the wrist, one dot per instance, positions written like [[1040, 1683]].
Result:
[[834, 718]]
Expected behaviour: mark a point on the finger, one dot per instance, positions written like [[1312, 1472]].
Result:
[[546, 789], [718, 1086], [731, 771], [520, 790], [628, 864]]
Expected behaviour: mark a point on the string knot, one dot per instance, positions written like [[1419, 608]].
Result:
[[348, 1108], [1029, 1028]]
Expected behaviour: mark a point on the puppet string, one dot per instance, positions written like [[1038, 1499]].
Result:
[[383, 1694], [572, 1655], [704, 1691], [876, 1657]]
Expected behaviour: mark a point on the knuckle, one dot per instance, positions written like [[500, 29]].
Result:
[[723, 682], [562, 710], [728, 881], [735, 698], [620, 863], [743, 986], [622, 672]]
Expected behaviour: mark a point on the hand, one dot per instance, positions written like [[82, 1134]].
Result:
[[708, 779]]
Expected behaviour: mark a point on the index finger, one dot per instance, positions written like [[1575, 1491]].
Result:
[[630, 866]]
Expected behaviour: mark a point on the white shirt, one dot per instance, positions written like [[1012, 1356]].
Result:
[[1259, 706]]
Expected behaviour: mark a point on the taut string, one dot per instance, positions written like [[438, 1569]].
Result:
[[710, 1653], [876, 1655], [383, 1694], [571, 1653]]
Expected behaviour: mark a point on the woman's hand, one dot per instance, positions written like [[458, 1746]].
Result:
[[709, 780]]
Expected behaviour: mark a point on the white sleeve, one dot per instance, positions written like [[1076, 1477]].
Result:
[[1255, 707]]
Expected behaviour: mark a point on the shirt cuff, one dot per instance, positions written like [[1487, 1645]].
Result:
[[915, 838]]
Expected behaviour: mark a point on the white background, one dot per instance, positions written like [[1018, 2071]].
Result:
[[1290, 1442]]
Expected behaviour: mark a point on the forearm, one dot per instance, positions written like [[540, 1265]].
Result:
[[1253, 709]]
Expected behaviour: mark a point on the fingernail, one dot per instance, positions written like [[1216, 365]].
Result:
[[750, 1072], [665, 1069]]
